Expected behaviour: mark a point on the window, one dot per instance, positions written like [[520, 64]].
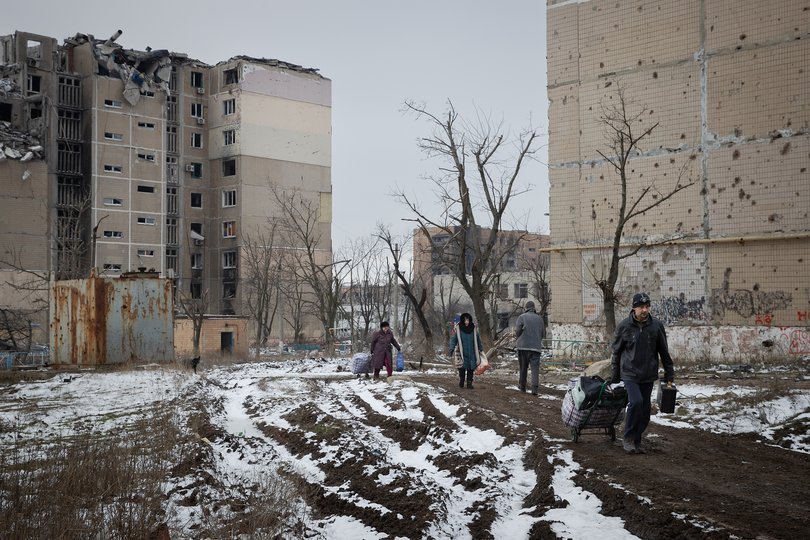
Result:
[[228, 289], [196, 140], [146, 125], [171, 262], [196, 291], [230, 76], [146, 157], [146, 253], [146, 189], [228, 229], [229, 167], [113, 136], [197, 79], [503, 291], [34, 84], [229, 259], [230, 136], [112, 267], [197, 261], [146, 221], [521, 290], [113, 103], [171, 138], [112, 201], [113, 234], [196, 200], [196, 110], [228, 198], [229, 106], [195, 170], [113, 168], [148, 93]]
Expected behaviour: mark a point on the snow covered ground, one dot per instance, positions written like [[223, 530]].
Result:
[[457, 471]]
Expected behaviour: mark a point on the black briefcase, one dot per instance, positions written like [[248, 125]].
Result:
[[666, 397]]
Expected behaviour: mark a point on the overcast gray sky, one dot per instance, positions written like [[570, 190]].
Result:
[[478, 53]]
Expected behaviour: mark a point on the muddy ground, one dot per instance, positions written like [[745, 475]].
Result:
[[690, 484]]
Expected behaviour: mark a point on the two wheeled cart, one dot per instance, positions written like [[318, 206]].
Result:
[[605, 414]]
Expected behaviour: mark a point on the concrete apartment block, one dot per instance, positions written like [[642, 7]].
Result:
[[727, 83], [173, 158]]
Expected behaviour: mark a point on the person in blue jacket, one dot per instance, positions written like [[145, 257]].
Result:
[[468, 342]]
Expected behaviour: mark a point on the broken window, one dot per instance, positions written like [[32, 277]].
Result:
[[146, 253], [113, 234], [503, 291], [196, 110], [229, 106], [229, 259], [171, 170], [70, 124], [196, 140], [229, 289], [146, 157], [110, 136], [146, 189], [228, 198], [113, 168], [229, 167], [230, 136], [197, 79], [146, 125], [146, 221], [34, 84], [33, 49], [113, 201], [228, 229], [5, 112], [171, 108], [196, 261], [35, 112], [113, 103], [112, 267], [196, 170], [230, 76], [70, 91], [196, 200], [196, 291]]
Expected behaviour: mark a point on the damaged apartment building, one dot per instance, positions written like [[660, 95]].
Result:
[[115, 160], [725, 260]]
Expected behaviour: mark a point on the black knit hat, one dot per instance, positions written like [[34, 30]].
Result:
[[640, 299]]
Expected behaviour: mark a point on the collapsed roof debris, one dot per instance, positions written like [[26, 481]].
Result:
[[141, 71], [16, 144]]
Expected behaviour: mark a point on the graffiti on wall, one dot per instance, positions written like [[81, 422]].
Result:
[[677, 308], [746, 302], [798, 340]]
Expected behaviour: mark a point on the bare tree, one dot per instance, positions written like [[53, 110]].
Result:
[[623, 143], [312, 263], [416, 294], [365, 279], [539, 267], [262, 269], [195, 309], [472, 198]]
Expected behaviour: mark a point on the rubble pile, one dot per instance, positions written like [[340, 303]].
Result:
[[15, 144]]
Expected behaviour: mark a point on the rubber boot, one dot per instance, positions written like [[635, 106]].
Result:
[[461, 377], [469, 378]]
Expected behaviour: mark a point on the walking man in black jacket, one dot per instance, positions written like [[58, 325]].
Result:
[[638, 343]]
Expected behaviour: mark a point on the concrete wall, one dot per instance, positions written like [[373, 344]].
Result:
[[727, 83], [211, 337]]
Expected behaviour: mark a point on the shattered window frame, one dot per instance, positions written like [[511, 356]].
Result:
[[196, 139], [196, 261], [229, 167], [196, 290], [197, 80], [196, 200], [198, 170], [146, 125], [112, 267], [113, 201], [34, 84], [146, 253], [113, 234], [230, 136], [230, 76]]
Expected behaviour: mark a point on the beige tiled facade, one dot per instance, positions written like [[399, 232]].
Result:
[[727, 83]]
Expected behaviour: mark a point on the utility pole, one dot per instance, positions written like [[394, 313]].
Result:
[[395, 292]]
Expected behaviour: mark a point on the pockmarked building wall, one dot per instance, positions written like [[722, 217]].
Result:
[[727, 84]]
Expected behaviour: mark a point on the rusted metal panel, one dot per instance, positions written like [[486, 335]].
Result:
[[98, 321]]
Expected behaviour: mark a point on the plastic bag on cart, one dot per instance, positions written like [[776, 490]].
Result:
[[361, 363], [587, 391]]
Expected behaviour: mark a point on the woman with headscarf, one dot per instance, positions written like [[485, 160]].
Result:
[[381, 343], [468, 342]]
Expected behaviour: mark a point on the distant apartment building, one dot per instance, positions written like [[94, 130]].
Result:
[[728, 83], [521, 275], [153, 160]]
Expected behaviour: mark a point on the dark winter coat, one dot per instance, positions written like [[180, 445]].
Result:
[[636, 348], [381, 347]]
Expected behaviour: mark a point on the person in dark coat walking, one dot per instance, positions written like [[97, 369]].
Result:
[[468, 342], [381, 342], [529, 331], [638, 343]]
